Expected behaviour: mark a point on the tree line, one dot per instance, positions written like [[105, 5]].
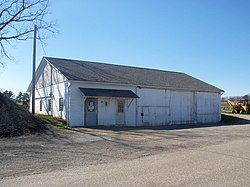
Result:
[[234, 98], [21, 99]]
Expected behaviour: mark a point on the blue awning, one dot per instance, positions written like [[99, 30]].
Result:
[[94, 92]]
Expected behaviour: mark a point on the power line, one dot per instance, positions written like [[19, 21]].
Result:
[[42, 44]]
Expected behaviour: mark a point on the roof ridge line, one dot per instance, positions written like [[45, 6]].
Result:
[[105, 63]]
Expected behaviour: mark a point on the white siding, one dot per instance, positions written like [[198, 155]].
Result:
[[152, 106], [162, 107], [106, 114], [76, 106], [49, 76], [51, 84], [208, 107], [43, 94], [182, 107]]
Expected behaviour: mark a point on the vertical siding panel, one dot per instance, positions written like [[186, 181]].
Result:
[[152, 104], [76, 106], [208, 105], [107, 114], [167, 108], [182, 107]]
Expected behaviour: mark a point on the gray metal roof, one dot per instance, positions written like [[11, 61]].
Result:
[[93, 92], [108, 73]]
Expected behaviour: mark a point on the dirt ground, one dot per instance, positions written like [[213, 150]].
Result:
[[35, 154]]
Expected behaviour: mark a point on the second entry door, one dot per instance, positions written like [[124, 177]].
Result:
[[120, 113]]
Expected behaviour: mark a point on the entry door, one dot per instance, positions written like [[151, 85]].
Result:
[[91, 112], [120, 115]]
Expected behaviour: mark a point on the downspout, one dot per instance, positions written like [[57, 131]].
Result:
[[220, 93], [84, 111], [51, 91], [195, 114], [68, 104], [136, 112]]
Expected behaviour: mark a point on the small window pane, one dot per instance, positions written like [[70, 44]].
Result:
[[61, 104], [41, 105], [91, 106], [49, 105], [120, 106]]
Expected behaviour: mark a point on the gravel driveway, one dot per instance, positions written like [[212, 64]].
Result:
[[55, 152]]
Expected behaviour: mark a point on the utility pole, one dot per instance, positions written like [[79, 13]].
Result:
[[34, 71]]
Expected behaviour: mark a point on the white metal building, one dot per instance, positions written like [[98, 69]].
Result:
[[90, 93]]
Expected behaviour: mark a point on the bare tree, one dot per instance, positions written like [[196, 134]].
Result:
[[17, 20]]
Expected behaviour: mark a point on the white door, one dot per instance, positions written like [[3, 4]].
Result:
[[120, 114]]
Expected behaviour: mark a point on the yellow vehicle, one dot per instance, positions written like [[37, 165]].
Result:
[[243, 106]]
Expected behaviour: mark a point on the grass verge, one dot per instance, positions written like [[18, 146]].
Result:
[[53, 122]]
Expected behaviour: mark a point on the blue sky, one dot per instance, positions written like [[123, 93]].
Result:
[[208, 39]]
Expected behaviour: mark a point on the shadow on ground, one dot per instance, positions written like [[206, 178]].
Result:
[[226, 120]]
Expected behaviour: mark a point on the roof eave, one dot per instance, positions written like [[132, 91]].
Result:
[[146, 86]]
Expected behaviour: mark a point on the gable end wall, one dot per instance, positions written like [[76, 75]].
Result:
[[51, 84]]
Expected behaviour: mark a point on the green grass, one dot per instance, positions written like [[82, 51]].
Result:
[[225, 108], [53, 122], [229, 119]]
